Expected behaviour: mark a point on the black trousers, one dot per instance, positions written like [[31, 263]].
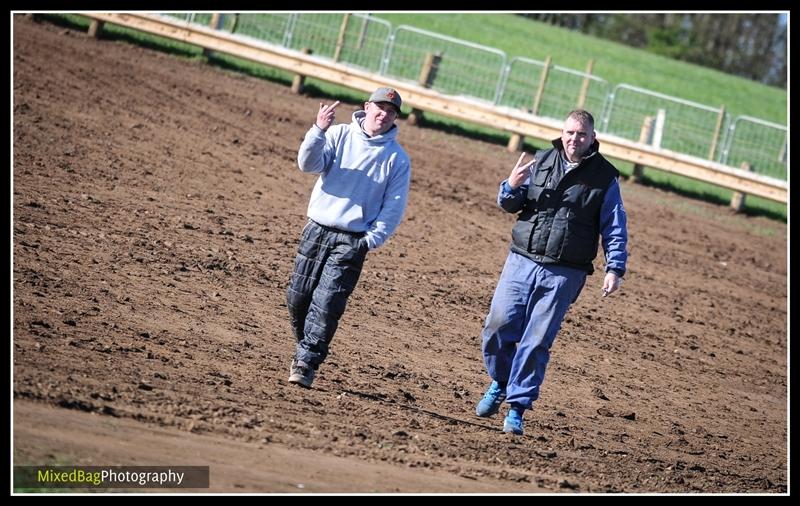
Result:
[[326, 270]]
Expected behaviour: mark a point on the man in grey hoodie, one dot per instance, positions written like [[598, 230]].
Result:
[[356, 204]]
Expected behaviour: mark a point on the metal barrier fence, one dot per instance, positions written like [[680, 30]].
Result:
[[468, 69], [519, 123], [562, 89], [355, 39], [464, 68], [759, 143], [275, 28], [681, 125]]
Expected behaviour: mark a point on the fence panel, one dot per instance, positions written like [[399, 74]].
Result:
[[562, 89], [688, 127], [317, 32], [360, 38], [481, 72], [227, 22], [761, 144], [365, 41], [272, 28], [465, 68]]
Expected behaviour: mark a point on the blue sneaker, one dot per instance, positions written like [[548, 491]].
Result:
[[492, 399], [513, 421]]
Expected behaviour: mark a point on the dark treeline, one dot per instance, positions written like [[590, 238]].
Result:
[[750, 45]]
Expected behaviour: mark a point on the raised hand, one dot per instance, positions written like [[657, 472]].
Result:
[[326, 115], [520, 172]]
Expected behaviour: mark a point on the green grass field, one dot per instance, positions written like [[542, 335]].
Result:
[[521, 37], [614, 62]]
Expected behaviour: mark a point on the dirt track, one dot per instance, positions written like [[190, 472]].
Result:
[[157, 208]]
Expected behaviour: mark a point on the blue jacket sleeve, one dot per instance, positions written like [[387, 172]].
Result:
[[511, 200], [614, 230]]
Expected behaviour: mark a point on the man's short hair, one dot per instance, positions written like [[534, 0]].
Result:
[[582, 116]]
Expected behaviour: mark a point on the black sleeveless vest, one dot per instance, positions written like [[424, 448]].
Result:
[[560, 220]]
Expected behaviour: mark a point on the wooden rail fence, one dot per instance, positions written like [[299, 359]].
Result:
[[516, 122]]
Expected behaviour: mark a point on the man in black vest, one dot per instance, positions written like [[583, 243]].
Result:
[[566, 200]]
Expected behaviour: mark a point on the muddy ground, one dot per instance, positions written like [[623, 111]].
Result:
[[157, 208]]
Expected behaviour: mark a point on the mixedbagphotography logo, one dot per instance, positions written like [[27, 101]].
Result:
[[101, 477]]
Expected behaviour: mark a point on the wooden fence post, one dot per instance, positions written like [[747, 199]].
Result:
[[715, 137], [426, 77], [515, 142], [542, 82], [299, 80], [340, 39], [585, 85], [658, 128], [95, 29], [737, 199], [644, 137], [215, 24], [363, 33]]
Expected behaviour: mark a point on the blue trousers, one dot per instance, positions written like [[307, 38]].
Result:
[[529, 304], [326, 270]]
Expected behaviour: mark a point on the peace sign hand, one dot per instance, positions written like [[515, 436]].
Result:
[[326, 115], [520, 172]]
